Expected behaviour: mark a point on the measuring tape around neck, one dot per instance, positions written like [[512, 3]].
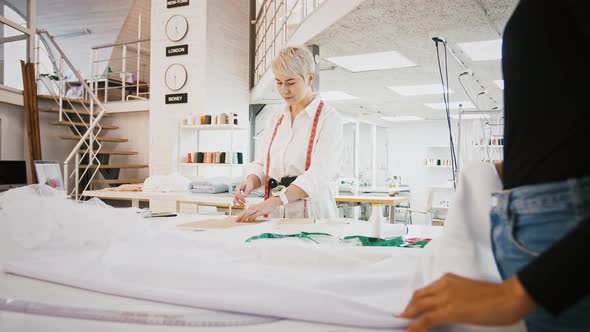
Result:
[[309, 146], [205, 319]]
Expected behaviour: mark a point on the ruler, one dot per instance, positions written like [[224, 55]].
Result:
[[205, 319]]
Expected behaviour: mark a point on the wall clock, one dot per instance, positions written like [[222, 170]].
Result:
[[175, 77], [176, 28]]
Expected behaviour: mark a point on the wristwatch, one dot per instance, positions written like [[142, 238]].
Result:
[[279, 191]]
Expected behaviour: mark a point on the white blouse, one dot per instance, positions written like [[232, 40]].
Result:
[[289, 151]]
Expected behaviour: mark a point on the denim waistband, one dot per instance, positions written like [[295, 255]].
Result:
[[570, 195]]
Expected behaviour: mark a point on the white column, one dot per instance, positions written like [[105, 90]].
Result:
[[374, 155], [357, 143]]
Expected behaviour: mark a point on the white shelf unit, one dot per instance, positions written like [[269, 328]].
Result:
[[209, 165], [196, 131], [488, 153], [436, 166], [218, 127], [439, 190]]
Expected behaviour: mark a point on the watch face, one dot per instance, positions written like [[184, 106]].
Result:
[[175, 77], [176, 28], [277, 190]]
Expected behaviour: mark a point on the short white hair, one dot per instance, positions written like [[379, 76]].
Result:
[[294, 61]]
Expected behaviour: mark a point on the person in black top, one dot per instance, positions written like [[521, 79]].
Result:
[[541, 228]]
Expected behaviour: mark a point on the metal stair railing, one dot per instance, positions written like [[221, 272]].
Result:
[[133, 59], [273, 20], [57, 80]]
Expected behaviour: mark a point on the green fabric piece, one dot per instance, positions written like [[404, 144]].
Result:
[[302, 235], [376, 242], [417, 244], [364, 241]]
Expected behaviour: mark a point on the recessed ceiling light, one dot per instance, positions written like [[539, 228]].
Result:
[[483, 50], [500, 83], [418, 90], [402, 118], [336, 95], [453, 105], [372, 61]]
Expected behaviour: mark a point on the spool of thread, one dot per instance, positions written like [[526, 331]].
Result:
[[375, 219], [207, 119], [189, 159], [223, 118]]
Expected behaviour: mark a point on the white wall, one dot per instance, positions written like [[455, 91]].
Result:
[[407, 152], [217, 67], [12, 132], [227, 77], [13, 52], [135, 127], [366, 153], [165, 119]]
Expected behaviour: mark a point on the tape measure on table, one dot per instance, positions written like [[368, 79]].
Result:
[[206, 319]]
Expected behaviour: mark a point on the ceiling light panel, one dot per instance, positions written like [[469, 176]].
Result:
[[372, 61], [336, 95], [483, 50]]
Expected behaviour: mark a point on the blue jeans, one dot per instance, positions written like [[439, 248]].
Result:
[[528, 220]]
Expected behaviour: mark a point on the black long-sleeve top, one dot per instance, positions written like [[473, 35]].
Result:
[[547, 130]]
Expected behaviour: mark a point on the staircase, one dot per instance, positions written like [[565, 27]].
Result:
[[82, 121]]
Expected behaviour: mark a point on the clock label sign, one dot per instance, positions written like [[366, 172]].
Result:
[[177, 50], [177, 98], [176, 3]]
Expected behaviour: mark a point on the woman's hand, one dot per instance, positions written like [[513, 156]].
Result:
[[242, 191], [258, 210], [454, 299]]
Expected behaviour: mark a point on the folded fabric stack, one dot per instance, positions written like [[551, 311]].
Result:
[[209, 186]]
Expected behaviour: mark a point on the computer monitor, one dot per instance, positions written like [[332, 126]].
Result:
[[49, 173], [13, 173]]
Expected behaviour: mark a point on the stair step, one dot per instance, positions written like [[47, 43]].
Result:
[[114, 166], [80, 124], [56, 98], [118, 181], [71, 111], [100, 138], [113, 152]]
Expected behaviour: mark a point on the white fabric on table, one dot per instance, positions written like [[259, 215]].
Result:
[[216, 269], [174, 182]]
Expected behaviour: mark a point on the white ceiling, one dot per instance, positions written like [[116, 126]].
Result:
[[407, 26]]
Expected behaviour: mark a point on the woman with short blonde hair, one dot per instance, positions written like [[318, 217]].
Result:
[[300, 152]]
